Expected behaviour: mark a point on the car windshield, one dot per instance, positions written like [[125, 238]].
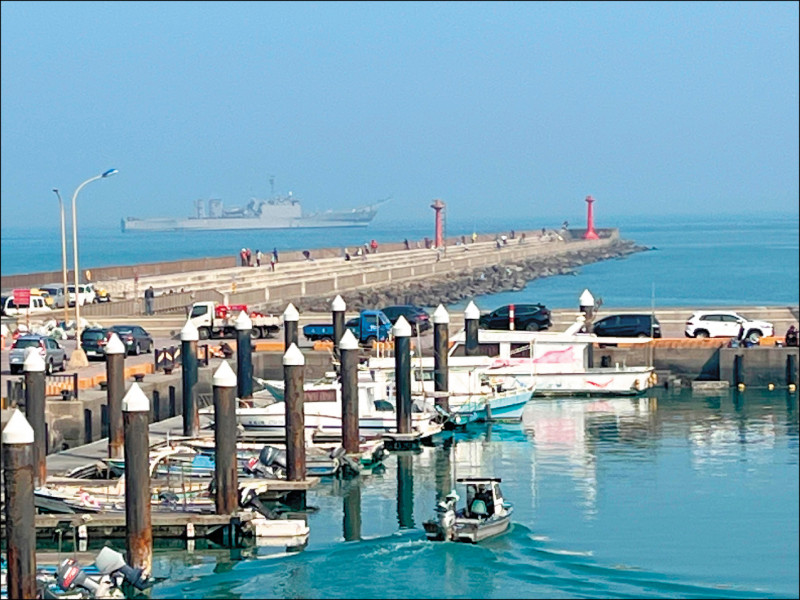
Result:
[[26, 343]]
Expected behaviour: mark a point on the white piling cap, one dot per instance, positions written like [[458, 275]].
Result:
[[243, 322], [33, 361], [586, 298], [440, 315], [401, 327], [338, 304], [189, 332], [115, 345], [293, 357], [224, 376], [135, 400], [18, 430], [472, 312], [291, 314], [348, 341]]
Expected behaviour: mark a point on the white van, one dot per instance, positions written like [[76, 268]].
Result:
[[56, 291], [37, 306], [86, 294]]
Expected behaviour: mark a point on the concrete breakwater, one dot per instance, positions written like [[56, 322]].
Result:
[[468, 283]]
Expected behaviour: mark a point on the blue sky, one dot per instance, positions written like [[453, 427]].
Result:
[[528, 107]]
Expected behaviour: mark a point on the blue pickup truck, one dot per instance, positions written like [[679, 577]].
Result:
[[369, 326]]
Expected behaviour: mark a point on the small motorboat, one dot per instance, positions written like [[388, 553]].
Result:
[[485, 515]]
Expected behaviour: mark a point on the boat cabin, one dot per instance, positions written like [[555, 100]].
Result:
[[484, 498]]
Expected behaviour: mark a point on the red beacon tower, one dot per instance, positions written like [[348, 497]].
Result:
[[590, 234], [438, 206]]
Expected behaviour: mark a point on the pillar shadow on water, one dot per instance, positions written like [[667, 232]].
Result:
[[405, 490], [443, 474]]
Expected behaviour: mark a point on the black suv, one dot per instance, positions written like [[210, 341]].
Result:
[[417, 317], [627, 326], [527, 317]]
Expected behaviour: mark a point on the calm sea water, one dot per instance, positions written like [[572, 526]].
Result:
[[713, 260], [665, 496]]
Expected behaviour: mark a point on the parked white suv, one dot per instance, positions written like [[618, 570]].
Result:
[[721, 323]]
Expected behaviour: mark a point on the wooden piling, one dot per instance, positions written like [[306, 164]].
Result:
[[338, 308], [35, 411], [471, 316], [244, 356], [139, 535], [225, 469], [738, 370], [290, 320], [191, 416], [18, 472], [402, 362], [349, 352], [441, 345], [293, 366], [115, 391]]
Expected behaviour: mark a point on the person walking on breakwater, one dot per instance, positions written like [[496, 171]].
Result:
[[259, 256], [374, 246], [149, 297], [243, 256], [275, 254], [272, 261]]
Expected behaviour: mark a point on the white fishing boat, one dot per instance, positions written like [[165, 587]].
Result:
[[472, 395], [486, 513], [322, 409], [553, 363]]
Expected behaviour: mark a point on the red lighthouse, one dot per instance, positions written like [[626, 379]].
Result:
[[438, 206], [590, 234]]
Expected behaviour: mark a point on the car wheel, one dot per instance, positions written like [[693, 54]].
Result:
[[754, 336], [370, 341], [48, 369], [532, 327], [137, 349], [701, 334], [203, 333], [64, 364], [255, 333], [150, 346], [642, 335]]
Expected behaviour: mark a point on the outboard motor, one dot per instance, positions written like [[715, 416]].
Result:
[[250, 499], [347, 466], [446, 515], [111, 562]]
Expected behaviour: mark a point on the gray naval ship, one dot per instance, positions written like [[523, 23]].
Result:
[[280, 212]]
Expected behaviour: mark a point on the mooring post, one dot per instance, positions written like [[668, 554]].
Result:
[[18, 467], [351, 523], [349, 351], [191, 416], [471, 316], [338, 308], [405, 490], [244, 356], [791, 371], [35, 411], [290, 319], [225, 470], [738, 370], [441, 345], [402, 370], [293, 366], [115, 391], [139, 535]]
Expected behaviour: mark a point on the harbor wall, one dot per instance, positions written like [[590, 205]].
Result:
[[110, 273]]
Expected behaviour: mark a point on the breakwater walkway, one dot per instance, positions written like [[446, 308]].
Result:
[[310, 284]]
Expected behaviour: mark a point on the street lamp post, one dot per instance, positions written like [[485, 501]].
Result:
[[78, 358], [63, 257]]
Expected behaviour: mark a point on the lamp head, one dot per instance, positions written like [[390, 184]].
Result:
[[110, 172]]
